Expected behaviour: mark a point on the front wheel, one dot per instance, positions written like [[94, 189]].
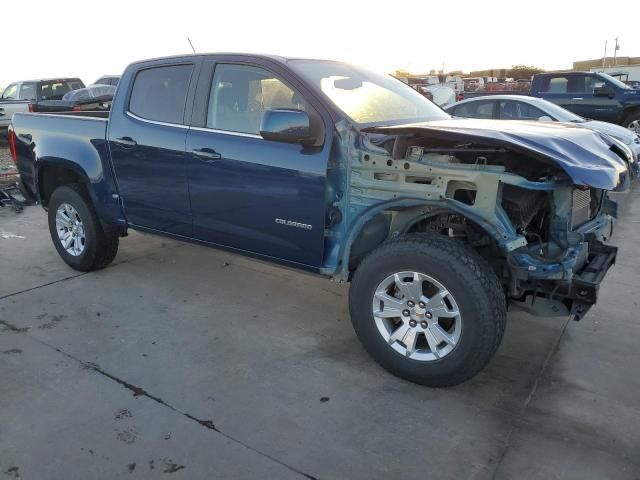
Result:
[[632, 122], [428, 309], [79, 237]]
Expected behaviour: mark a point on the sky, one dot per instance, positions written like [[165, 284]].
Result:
[[101, 38]]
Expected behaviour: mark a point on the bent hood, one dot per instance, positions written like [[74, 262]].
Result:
[[585, 155]]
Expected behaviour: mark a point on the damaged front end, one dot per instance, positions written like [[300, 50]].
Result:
[[532, 200]]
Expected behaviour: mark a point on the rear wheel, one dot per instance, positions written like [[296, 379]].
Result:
[[79, 237], [428, 309]]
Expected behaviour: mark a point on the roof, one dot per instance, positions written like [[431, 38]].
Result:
[[277, 58], [52, 79]]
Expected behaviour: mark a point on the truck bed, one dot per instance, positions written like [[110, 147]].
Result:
[[84, 133]]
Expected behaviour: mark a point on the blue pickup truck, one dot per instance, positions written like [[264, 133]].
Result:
[[438, 224], [592, 95]]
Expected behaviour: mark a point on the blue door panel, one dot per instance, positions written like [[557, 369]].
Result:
[[236, 199], [152, 176]]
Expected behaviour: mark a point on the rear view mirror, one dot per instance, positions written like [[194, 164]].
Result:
[[348, 83], [603, 91], [289, 126]]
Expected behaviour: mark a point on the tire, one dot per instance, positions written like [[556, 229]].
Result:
[[99, 246], [632, 122], [472, 289]]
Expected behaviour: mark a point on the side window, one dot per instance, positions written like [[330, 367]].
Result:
[[591, 83], [160, 93], [512, 110], [557, 85], [529, 112], [27, 92], [11, 93], [482, 109], [241, 94], [509, 110]]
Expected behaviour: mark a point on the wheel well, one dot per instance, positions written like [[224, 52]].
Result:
[[389, 223], [52, 177], [629, 111]]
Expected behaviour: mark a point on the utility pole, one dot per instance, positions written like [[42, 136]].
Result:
[[604, 59], [615, 53]]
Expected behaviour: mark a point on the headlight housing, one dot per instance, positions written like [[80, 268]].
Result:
[[624, 147]]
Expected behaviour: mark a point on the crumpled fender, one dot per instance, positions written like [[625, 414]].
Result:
[[585, 155]]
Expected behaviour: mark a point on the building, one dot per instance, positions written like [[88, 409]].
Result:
[[586, 65]]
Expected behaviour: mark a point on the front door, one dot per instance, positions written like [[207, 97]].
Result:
[[248, 193], [147, 144], [588, 105]]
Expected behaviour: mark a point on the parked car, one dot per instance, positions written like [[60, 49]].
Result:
[[519, 107], [588, 94], [341, 171], [471, 84], [17, 96], [591, 95], [108, 80]]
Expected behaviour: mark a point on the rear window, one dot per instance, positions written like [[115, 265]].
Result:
[[56, 89], [160, 93]]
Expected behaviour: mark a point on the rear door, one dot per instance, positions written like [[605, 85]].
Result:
[[556, 89], [248, 193], [147, 134], [517, 110]]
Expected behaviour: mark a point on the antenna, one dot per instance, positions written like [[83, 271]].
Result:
[[192, 48]]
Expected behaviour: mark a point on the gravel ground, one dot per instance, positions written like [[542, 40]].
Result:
[[6, 165]]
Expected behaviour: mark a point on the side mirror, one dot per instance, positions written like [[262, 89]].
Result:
[[603, 91], [545, 118], [289, 126]]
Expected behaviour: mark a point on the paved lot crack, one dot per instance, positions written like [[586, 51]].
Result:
[[534, 388], [42, 286], [139, 391]]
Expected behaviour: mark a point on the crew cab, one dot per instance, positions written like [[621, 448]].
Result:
[[18, 96], [591, 95], [330, 168]]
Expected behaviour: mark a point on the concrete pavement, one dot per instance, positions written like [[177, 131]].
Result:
[[185, 361]]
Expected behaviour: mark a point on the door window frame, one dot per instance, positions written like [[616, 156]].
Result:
[[34, 85], [188, 98], [205, 81]]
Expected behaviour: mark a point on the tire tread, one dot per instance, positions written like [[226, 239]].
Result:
[[471, 262]]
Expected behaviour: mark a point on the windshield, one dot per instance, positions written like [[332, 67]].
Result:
[[367, 97], [558, 113], [616, 82]]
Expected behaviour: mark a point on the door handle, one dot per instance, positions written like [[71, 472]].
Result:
[[126, 142], [577, 98], [206, 154]]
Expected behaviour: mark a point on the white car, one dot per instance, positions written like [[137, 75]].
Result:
[[521, 107]]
